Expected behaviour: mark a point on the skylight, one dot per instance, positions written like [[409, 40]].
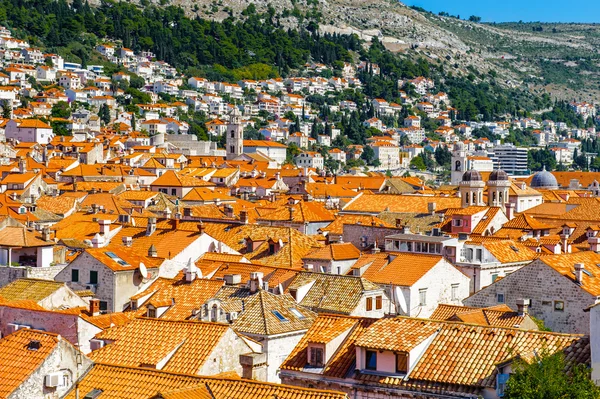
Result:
[[114, 257], [279, 315], [297, 313]]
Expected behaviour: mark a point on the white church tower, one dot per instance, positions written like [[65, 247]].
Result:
[[459, 163], [235, 135]]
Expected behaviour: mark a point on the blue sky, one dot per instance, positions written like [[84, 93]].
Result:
[[515, 10]]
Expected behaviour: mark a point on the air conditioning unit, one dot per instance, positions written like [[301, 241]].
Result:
[[96, 344], [12, 327], [54, 380]]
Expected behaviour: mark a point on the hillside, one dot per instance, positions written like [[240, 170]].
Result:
[[561, 59]]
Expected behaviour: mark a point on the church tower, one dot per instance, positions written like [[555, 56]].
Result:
[[471, 189], [459, 163], [235, 135], [498, 185]]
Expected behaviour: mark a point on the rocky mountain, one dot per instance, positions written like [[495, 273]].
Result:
[[561, 59]]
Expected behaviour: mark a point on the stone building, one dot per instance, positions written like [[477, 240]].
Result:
[[559, 288]]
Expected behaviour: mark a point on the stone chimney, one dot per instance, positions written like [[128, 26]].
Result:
[[579, 268], [151, 227], [510, 210], [104, 226], [431, 207], [127, 241], [201, 228], [228, 211], [244, 216], [291, 213], [46, 235], [523, 306], [94, 307], [22, 165], [256, 281]]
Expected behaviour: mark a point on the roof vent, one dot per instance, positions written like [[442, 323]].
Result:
[[34, 345]]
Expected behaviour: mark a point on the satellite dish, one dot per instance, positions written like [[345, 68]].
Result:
[[143, 270]]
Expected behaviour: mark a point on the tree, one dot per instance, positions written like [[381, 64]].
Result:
[[368, 155], [474, 18], [61, 110], [550, 377], [104, 114], [6, 111], [443, 156], [418, 163]]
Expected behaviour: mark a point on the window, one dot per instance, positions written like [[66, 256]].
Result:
[[279, 316], [401, 363], [316, 357], [423, 297], [93, 277], [293, 293], [103, 306], [371, 360], [478, 254], [501, 380], [494, 277], [559, 306], [75, 275], [151, 312], [173, 191], [457, 222], [297, 313], [500, 298], [454, 292], [369, 304], [378, 302]]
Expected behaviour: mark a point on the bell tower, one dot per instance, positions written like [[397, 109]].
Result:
[[235, 135], [459, 163]]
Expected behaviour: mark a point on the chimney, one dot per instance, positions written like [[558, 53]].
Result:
[[201, 228], [152, 252], [565, 243], [523, 306], [94, 208], [244, 216], [232, 279], [431, 207], [22, 165], [510, 210], [104, 226], [594, 243], [46, 234], [256, 281], [127, 241], [228, 211], [291, 213], [94, 307], [375, 249], [579, 268], [151, 227]]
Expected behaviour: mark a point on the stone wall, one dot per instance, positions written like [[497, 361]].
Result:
[[9, 274], [543, 286], [363, 236]]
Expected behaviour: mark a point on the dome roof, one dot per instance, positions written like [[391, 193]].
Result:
[[472, 175], [498, 175], [544, 179]]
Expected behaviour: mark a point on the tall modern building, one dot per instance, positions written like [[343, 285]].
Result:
[[511, 159]]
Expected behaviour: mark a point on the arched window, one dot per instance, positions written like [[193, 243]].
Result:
[[232, 133], [457, 168]]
